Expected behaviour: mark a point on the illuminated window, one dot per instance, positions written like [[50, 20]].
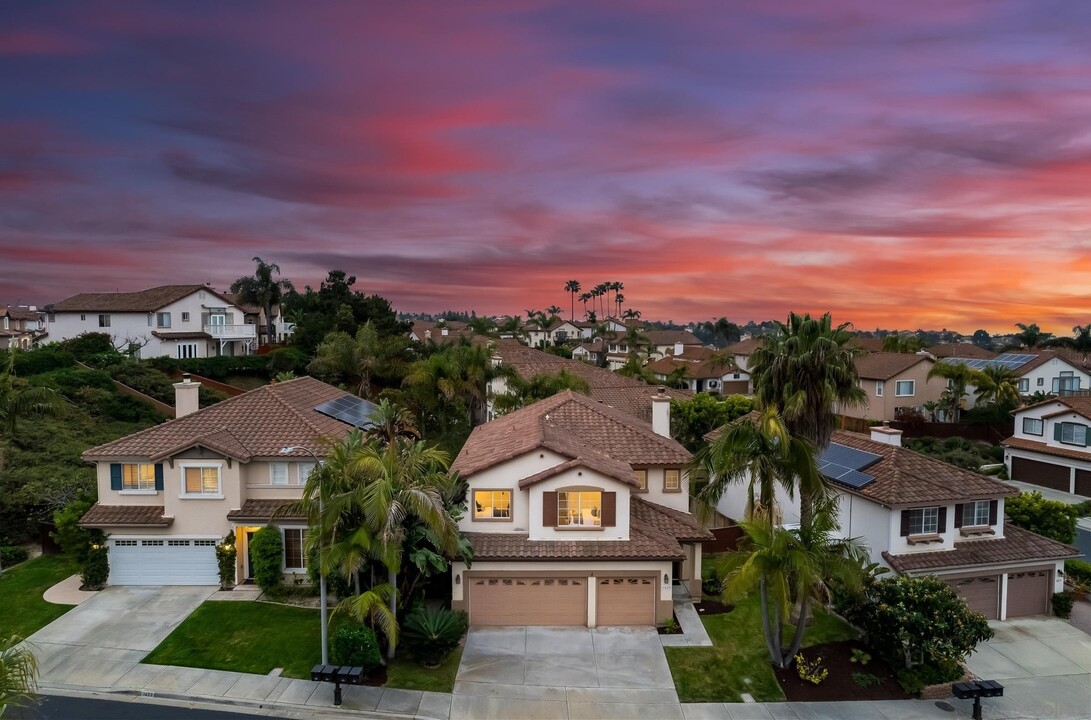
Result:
[[641, 477], [201, 480], [672, 480], [492, 504], [138, 477], [579, 508]]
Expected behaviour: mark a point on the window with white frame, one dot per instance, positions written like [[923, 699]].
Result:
[[278, 473], [199, 480], [976, 513], [1041, 382], [162, 320], [641, 477], [104, 321], [905, 388], [187, 350], [577, 508], [879, 386], [924, 521], [1033, 426], [303, 471], [1074, 434], [185, 317], [138, 476], [672, 480], [294, 556], [492, 504], [1024, 385]]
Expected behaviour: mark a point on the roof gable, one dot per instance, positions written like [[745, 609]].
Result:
[[885, 365], [148, 300]]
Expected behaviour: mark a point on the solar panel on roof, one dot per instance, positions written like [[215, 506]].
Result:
[[1011, 361], [349, 409], [843, 464]]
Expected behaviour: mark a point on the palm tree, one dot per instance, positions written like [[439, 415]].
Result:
[[390, 421], [457, 373], [1080, 340], [18, 673], [807, 369], [630, 314], [618, 300], [24, 402], [584, 297], [553, 311], [262, 290], [958, 376], [358, 360], [572, 287], [1031, 336], [617, 287], [597, 292], [997, 385], [521, 393], [901, 343]]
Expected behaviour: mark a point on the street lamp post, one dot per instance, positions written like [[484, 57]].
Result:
[[321, 572]]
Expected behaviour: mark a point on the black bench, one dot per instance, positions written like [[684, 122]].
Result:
[[338, 674]]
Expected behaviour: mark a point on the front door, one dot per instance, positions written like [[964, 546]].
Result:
[[249, 556]]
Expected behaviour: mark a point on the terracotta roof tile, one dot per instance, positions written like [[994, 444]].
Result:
[[264, 511], [257, 423], [679, 525], [1017, 545], [670, 337], [105, 516], [885, 365], [148, 300], [1041, 447]]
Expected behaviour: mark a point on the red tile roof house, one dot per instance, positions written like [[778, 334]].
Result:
[[180, 321], [1051, 446], [578, 515], [21, 327], [705, 371], [918, 515], [895, 383], [168, 494]]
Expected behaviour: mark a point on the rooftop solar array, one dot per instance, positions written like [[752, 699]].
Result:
[[843, 464], [1011, 361], [349, 409]]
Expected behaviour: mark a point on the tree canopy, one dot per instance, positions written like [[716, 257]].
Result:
[[335, 305]]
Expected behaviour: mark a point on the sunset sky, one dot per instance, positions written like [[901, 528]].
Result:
[[900, 164]]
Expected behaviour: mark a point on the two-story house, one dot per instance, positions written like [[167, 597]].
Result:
[[21, 327], [179, 321], [1060, 371], [578, 515], [169, 494], [662, 343], [1051, 446], [918, 515], [703, 370], [894, 383]]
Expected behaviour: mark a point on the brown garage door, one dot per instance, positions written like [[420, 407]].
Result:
[[981, 593], [1083, 483], [1040, 473], [1028, 592], [625, 601], [528, 601]]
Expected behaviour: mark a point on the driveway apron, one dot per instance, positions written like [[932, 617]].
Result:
[[102, 640]]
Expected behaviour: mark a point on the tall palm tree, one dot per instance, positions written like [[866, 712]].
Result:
[[807, 369], [572, 287], [263, 290], [618, 300], [597, 292], [24, 402], [584, 297], [553, 311], [958, 376], [18, 673], [997, 385], [1031, 336]]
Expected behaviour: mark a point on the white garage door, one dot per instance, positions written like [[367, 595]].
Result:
[[163, 561]]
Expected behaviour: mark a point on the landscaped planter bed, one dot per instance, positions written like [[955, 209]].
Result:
[[712, 607], [839, 684]]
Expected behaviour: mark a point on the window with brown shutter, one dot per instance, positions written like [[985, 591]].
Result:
[[958, 515], [993, 509], [942, 525], [549, 509], [609, 509], [905, 523]]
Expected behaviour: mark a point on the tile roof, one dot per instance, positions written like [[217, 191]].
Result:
[[670, 337], [906, 477], [679, 525], [148, 300], [257, 423], [103, 516], [1076, 360], [700, 363], [263, 511], [1017, 545], [20, 313], [1043, 448], [961, 350], [868, 343], [885, 365], [605, 465], [575, 426], [624, 393], [247, 308], [1079, 403], [745, 347]]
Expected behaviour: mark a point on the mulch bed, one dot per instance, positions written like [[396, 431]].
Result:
[[675, 629], [839, 684], [712, 607]]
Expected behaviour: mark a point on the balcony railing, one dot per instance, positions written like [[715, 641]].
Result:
[[231, 332]]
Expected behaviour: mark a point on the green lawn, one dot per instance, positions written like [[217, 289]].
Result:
[[255, 637], [21, 588], [738, 662]]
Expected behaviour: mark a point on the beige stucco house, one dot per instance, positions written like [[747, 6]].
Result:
[[894, 383], [578, 515], [1051, 446], [169, 494]]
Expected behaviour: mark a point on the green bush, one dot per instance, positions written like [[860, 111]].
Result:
[[430, 634], [357, 646], [1062, 603], [1051, 518], [12, 555], [286, 359], [915, 679], [226, 554], [865, 680], [215, 368], [1083, 509], [43, 359], [336, 583], [266, 551], [87, 345], [1078, 572], [96, 568], [73, 539]]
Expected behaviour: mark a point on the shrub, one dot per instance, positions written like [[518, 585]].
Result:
[[96, 568], [430, 634], [89, 344], [1062, 603], [865, 680], [43, 359], [860, 657], [74, 540], [1051, 518], [226, 554], [712, 585], [286, 359], [915, 679], [12, 555], [357, 646], [266, 551], [811, 670], [1078, 572]]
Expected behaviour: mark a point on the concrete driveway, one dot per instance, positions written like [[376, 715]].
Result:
[[103, 639], [564, 672]]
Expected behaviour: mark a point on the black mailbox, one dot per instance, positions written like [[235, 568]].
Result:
[[352, 675], [991, 688], [977, 690], [338, 675]]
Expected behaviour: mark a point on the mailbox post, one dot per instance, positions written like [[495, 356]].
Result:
[[977, 690], [337, 675]]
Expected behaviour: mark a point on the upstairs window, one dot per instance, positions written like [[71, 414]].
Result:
[[879, 387], [576, 508], [924, 521], [1072, 434], [304, 470], [1024, 385], [672, 480], [185, 317], [641, 477], [104, 321], [1033, 426], [976, 513], [201, 480], [162, 320], [905, 388], [492, 504], [138, 477], [278, 473]]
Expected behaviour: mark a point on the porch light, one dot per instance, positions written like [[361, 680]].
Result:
[[666, 579], [458, 579]]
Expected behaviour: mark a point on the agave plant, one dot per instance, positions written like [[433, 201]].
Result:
[[432, 633]]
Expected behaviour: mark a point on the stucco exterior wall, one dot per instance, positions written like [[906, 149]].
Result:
[[506, 476], [884, 407]]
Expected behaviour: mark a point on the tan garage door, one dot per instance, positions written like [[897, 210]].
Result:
[[1047, 475], [625, 601], [981, 593], [528, 601], [1028, 592]]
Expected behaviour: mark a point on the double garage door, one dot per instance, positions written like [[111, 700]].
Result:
[[163, 561], [1028, 593], [561, 600]]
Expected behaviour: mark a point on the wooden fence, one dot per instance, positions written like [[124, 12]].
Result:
[[985, 433], [229, 390]]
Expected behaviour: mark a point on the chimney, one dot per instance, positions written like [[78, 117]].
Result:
[[678, 348], [661, 413], [886, 434], [186, 399]]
